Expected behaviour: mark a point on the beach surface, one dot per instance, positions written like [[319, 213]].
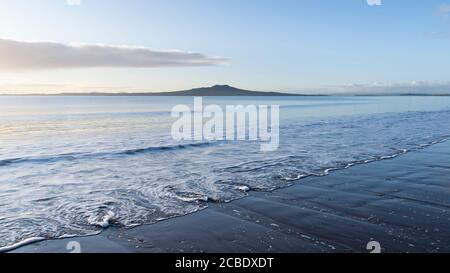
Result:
[[402, 203]]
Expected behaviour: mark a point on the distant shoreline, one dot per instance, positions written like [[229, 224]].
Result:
[[156, 95], [162, 94], [168, 94], [216, 91]]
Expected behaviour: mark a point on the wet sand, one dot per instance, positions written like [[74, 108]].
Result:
[[402, 203]]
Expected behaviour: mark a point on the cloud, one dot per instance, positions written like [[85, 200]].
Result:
[[443, 11], [50, 55], [73, 2], [414, 87], [374, 2]]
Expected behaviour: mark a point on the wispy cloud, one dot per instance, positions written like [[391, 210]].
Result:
[[443, 11], [414, 87], [52, 55]]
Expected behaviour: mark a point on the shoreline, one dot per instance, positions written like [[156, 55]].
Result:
[[237, 96], [254, 213]]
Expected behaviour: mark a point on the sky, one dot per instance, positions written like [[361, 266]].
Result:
[[300, 46]]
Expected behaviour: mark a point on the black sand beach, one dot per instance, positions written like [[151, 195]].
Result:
[[403, 203]]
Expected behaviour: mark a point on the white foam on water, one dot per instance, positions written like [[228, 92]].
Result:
[[79, 174], [104, 221], [21, 243]]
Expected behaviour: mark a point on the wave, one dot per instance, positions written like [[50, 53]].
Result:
[[21, 243], [141, 190], [82, 155], [108, 218], [326, 171]]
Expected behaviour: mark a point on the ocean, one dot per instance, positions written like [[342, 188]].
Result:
[[72, 166]]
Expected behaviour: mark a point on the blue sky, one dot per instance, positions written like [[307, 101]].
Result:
[[301, 46]]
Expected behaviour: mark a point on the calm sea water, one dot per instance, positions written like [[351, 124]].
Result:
[[71, 166]]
